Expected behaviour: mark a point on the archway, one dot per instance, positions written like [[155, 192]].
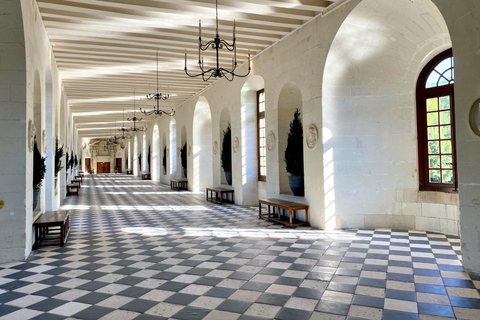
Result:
[[248, 145], [135, 163], [143, 167], [370, 154], [50, 185], [38, 122], [173, 148], [156, 154], [289, 101], [202, 145]]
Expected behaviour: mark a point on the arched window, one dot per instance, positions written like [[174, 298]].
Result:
[[261, 136], [436, 125]]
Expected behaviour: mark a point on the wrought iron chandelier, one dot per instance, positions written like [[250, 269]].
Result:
[[217, 44], [158, 96], [135, 119], [123, 129]]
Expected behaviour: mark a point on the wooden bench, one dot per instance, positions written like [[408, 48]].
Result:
[[129, 171], [219, 192], [51, 226], [146, 176], [291, 207], [72, 189], [77, 181], [179, 184], [79, 177]]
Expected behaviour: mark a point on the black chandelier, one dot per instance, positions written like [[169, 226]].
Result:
[[123, 129], [158, 96], [217, 44], [135, 119]]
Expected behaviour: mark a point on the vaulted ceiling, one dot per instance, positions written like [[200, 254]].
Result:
[[106, 48]]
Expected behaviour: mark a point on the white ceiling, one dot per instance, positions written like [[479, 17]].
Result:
[[106, 48]]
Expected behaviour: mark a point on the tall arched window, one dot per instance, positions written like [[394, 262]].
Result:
[[436, 125]]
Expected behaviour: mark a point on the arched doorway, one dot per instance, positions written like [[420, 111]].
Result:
[[135, 163], [202, 145]]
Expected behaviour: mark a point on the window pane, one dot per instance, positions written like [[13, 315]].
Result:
[[262, 123], [432, 119], [432, 80], [448, 74], [447, 176], [445, 103], [433, 147], [445, 117], [263, 171], [447, 162], [444, 65], [446, 132], [434, 162], [432, 133], [432, 104], [446, 147], [435, 176], [442, 81]]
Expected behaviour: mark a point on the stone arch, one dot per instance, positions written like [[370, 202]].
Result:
[[135, 163], [173, 148], [289, 100], [225, 120], [202, 145], [248, 140], [370, 154], [50, 203], [155, 154]]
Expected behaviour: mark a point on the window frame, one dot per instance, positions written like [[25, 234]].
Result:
[[422, 94], [260, 116]]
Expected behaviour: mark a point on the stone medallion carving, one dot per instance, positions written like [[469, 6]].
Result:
[[32, 131], [474, 117], [236, 144], [270, 141], [312, 136], [189, 150], [84, 145], [215, 147]]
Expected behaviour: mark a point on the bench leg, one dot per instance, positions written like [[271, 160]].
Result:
[[290, 214]]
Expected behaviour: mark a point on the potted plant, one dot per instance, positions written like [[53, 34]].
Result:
[[164, 160], [67, 164], [227, 153], [59, 153], [294, 156], [39, 170], [148, 160], [76, 162], [183, 157]]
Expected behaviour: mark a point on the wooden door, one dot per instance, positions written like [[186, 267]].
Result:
[[87, 165], [106, 167], [118, 165], [99, 167]]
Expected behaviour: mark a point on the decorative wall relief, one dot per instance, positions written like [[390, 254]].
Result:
[[236, 144], [474, 117], [312, 136], [271, 141], [215, 147], [32, 131], [84, 145], [189, 150]]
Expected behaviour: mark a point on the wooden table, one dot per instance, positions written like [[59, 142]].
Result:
[[146, 176], [56, 221], [79, 181], [181, 184], [291, 207], [219, 192], [72, 189]]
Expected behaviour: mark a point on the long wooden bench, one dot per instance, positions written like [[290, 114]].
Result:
[[79, 177], [77, 181], [146, 176], [181, 184], [72, 189], [219, 192], [291, 207], [52, 226]]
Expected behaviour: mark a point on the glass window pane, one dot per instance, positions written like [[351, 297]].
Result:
[[434, 162], [433, 147], [432, 104], [432, 80], [444, 65], [445, 117], [446, 147], [263, 171], [445, 132], [447, 176], [432, 133], [442, 81], [262, 143], [262, 123], [447, 162], [432, 119], [435, 176], [448, 74], [445, 103]]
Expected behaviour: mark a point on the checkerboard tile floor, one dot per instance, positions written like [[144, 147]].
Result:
[[138, 250]]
